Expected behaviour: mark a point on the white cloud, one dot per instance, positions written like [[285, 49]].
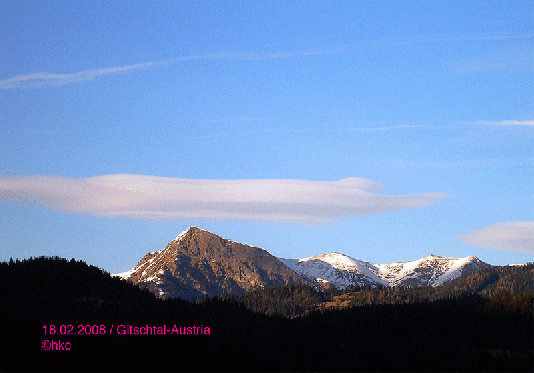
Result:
[[508, 58], [443, 38], [503, 123], [38, 80], [472, 163], [163, 198], [515, 236], [519, 59]]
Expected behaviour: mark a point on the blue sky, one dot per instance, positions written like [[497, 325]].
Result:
[[383, 130]]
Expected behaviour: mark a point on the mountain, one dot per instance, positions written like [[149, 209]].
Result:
[[432, 270], [336, 270], [198, 263], [340, 270]]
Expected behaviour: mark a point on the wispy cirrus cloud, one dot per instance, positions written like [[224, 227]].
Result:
[[164, 198], [37, 80], [516, 58], [505, 123], [43, 79], [466, 164], [443, 38], [514, 236]]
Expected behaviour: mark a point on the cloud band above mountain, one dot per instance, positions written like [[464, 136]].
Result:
[[164, 198], [514, 236]]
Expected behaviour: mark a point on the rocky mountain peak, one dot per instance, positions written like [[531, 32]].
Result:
[[199, 263], [191, 231]]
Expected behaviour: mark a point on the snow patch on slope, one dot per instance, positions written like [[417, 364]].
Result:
[[455, 270], [338, 269], [124, 275]]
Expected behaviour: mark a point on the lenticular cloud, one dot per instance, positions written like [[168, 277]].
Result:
[[164, 198], [514, 236]]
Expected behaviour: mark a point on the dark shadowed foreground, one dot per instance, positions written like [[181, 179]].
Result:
[[89, 321]]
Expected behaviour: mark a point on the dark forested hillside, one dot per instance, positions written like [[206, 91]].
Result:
[[469, 332], [497, 279], [285, 300], [85, 306], [300, 300]]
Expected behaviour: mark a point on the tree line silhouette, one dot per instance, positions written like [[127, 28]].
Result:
[[295, 300], [487, 326]]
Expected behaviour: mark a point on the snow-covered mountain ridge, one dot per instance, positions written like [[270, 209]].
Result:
[[340, 270], [198, 263]]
